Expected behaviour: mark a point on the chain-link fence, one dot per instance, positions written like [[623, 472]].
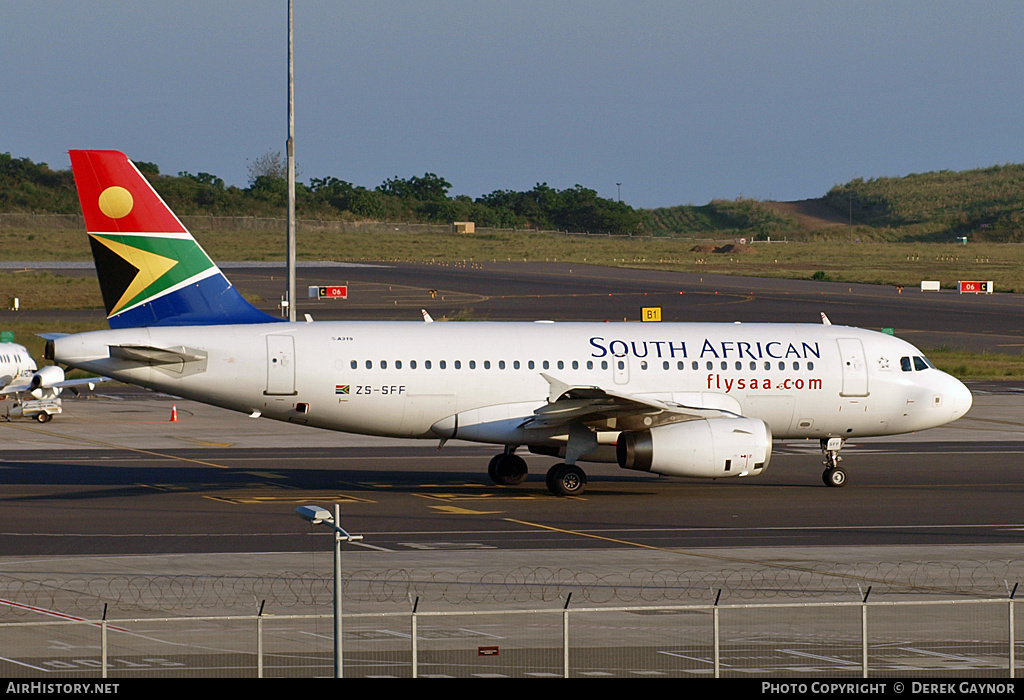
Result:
[[791, 619], [953, 638]]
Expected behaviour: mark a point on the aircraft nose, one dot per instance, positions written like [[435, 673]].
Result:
[[961, 398]]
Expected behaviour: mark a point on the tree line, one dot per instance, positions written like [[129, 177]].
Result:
[[35, 187]]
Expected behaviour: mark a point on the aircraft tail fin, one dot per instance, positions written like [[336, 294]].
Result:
[[152, 271]]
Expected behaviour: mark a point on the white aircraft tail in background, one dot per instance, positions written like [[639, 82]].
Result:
[[36, 391]]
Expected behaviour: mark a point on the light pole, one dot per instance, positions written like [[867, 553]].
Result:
[[317, 515], [292, 301]]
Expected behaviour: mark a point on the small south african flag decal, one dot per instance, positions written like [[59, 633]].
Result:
[[341, 389]]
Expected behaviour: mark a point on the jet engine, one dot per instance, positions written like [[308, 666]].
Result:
[[46, 378], [708, 448]]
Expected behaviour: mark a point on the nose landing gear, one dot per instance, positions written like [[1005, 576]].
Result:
[[834, 475]]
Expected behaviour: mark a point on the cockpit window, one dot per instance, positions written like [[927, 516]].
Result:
[[905, 364], [920, 364]]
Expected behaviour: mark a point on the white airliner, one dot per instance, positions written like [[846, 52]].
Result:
[[36, 391], [681, 399]]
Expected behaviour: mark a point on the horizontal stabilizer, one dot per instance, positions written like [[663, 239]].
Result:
[[149, 355]]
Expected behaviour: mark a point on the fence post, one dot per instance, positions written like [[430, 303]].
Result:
[[864, 634], [415, 646], [259, 640], [1013, 634], [1013, 669], [565, 636], [103, 643], [715, 635]]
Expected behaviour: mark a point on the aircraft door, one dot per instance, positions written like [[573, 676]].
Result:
[[280, 365], [620, 369], [855, 367]]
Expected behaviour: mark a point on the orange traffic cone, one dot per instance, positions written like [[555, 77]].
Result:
[[174, 413]]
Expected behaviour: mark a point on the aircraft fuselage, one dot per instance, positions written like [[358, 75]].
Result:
[[479, 380]]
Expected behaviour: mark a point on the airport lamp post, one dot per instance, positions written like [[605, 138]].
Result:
[[292, 300], [316, 515]]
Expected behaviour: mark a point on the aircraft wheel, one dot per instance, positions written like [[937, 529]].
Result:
[[43, 417], [834, 477], [566, 480], [507, 469]]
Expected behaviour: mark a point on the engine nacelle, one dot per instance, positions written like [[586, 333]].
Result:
[[45, 379], [708, 448]]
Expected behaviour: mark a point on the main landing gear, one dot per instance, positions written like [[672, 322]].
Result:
[[834, 475], [566, 480], [508, 469]]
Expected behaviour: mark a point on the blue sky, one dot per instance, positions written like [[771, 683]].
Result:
[[681, 102]]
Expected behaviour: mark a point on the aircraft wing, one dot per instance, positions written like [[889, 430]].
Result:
[[585, 404]]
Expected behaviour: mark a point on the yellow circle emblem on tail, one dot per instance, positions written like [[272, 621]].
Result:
[[116, 202]]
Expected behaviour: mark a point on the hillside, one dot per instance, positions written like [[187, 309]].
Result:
[[810, 214], [984, 204]]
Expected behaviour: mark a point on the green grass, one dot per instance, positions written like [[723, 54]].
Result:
[[48, 290], [966, 365], [840, 260]]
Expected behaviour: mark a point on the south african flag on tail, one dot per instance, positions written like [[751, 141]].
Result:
[[152, 272]]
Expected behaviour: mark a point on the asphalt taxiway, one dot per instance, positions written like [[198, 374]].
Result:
[[114, 474]]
